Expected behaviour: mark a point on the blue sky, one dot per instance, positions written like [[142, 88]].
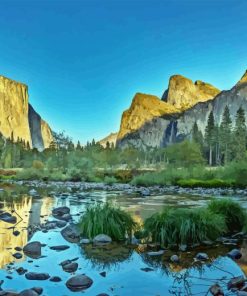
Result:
[[84, 60]]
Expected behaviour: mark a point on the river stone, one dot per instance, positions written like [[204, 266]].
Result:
[[85, 241], [60, 211], [202, 256], [37, 276], [79, 282], [8, 218], [70, 267], [71, 234], [174, 259], [158, 253], [102, 294], [102, 239], [33, 249], [55, 279], [59, 248], [234, 254], [28, 292], [17, 255], [61, 223]]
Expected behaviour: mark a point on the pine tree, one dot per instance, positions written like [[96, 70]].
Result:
[[78, 146], [239, 136], [225, 134], [210, 136], [197, 136]]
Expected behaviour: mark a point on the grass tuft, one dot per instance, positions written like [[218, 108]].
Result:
[[106, 219]]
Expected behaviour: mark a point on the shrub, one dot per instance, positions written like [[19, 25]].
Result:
[[38, 165], [184, 226], [232, 212], [30, 174], [110, 180], [214, 183], [106, 219]]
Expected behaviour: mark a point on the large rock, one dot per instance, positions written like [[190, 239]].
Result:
[[79, 283], [8, 218], [71, 233], [36, 276], [62, 213], [32, 249]]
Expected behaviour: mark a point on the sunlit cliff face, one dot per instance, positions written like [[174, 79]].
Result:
[[28, 212]]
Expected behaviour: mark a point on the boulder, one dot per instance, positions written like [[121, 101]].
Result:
[[55, 279], [8, 218], [59, 212], [234, 254], [202, 256], [28, 292], [70, 267], [71, 234], [33, 249], [79, 283], [174, 259], [59, 248], [36, 276]]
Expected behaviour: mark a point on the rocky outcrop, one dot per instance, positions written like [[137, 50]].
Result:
[[182, 93], [18, 119], [111, 139], [173, 127]]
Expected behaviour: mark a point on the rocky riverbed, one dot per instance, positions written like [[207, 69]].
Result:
[[41, 252]]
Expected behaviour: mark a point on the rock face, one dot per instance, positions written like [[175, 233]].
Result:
[[182, 93], [174, 126], [18, 119]]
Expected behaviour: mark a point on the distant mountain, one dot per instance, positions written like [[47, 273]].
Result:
[[18, 119], [112, 138], [153, 122]]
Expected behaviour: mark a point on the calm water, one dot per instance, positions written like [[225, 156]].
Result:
[[121, 263]]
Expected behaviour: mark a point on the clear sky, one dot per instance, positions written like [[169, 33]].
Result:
[[84, 60]]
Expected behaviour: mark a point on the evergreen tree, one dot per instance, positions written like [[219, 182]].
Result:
[[239, 136], [78, 146], [210, 137], [225, 134], [197, 136]]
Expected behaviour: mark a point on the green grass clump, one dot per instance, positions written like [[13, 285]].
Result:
[[213, 183], [184, 226], [110, 180], [106, 219], [233, 213]]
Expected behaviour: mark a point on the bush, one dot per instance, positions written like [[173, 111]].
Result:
[[106, 219], [214, 183], [232, 212], [110, 180], [31, 174], [184, 226], [38, 165]]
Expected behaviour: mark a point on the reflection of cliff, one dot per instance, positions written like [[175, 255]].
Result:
[[243, 261], [8, 241]]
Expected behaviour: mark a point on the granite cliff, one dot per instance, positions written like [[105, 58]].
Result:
[[18, 119], [111, 139], [192, 102]]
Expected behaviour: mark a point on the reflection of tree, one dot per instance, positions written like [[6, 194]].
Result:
[[107, 256]]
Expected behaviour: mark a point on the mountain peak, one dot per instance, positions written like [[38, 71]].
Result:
[[183, 93], [243, 78]]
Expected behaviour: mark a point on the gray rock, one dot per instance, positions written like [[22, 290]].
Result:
[[28, 292], [17, 255], [102, 239], [55, 279], [32, 249], [36, 276], [79, 283], [202, 256], [174, 259], [85, 241], [158, 253], [59, 248], [71, 233], [234, 254], [70, 267], [60, 211]]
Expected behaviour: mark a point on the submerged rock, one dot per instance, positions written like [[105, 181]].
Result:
[[70, 267], [62, 213], [216, 290], [79, 282], [33, 249], [158, 253], [236, 282], [234, 254], [71, 233], [202, 256], [35, 276], [59, 248]]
